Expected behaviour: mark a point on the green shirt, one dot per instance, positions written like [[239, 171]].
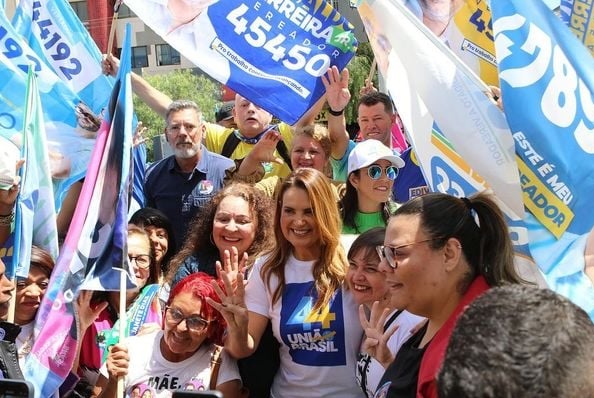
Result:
[[364, 222]]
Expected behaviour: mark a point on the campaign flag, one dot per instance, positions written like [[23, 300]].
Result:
[[94, 246], [272, 53], [35, 216], [578, 16], [70, 138], [55, 33], [547, 81], [468, 32], [430, 85]]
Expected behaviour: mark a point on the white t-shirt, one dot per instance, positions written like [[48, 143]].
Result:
[[318, 351], [371, 368], [149, 370]]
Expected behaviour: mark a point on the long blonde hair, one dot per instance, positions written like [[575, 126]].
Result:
[[329, 270]]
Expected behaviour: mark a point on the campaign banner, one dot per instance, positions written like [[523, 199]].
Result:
[[70, 137], [467, 30], [272, 53], [94, 246], [55, 33], [577, 15], [430, 85], [35, 216], [547, 82]]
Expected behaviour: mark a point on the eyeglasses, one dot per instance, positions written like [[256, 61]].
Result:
[[195, 323], [142, 260], [390, 253], [375, 172]]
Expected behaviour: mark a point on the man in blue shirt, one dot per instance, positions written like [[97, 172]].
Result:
[[185, 181]]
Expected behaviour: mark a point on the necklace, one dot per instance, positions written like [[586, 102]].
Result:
[[26, 345]]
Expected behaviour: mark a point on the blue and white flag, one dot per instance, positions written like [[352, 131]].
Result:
[[578, 16], [96, 243], [272, 53], [35, 218], [547, 81], [70, 138], [55, 33]]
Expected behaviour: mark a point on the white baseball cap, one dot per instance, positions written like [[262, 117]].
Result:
[[9, 155], [370, 151]]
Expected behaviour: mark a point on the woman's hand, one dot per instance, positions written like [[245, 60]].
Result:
[[139, 137], [376, 340], [337, 88], [110, 65], [117, 361], [232, 306], [232, 265], [8, 197], [86, 310]]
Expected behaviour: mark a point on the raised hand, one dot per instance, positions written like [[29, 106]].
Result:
[[232, 265], [337, 88], [263, 151], [376, 340], [87, 311], [232, 306], [110, 65], [139, 137], [368, 88], [8, 197]]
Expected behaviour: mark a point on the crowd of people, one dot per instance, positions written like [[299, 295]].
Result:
[[248, 281]]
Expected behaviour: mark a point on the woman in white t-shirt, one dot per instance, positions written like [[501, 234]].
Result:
[[299, 287], [368, 285], [179, 355]]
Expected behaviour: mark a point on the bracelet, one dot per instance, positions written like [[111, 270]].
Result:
[[7, 220], [335, 113]]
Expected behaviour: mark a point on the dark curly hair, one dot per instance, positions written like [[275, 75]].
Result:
[[199, 237], [149, 217]]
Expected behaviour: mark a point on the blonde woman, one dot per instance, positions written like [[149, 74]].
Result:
[[299, 288]]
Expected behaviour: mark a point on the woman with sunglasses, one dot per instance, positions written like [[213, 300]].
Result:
[[180, 354], [440, 252], [143, 308], [372, 169]]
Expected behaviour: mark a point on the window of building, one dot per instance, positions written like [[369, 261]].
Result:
[[80, 9], [139, 57], [125, 12], [167, 55]]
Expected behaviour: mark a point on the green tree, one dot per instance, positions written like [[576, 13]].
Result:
[[179, 84]]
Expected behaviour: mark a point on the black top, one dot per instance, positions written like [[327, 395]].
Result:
[[400, 379]]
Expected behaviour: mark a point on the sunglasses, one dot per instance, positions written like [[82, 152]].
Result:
[[375, 172], [195, 323]]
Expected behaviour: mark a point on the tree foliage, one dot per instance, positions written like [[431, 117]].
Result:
[[359, 71], [179, 84]]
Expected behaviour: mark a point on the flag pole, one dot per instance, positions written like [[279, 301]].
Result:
[[372, 69], [116, 9], [123, 322]]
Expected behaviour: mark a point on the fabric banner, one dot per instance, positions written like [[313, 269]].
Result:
[[95, 243], [469, 34], [56, 34], [58, 37], [70, 139], [35, 214], [577, 15], [428, 84], [547, 81], [272, 53]]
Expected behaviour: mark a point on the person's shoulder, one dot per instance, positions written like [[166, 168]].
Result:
[[218, 158], [158, 166]]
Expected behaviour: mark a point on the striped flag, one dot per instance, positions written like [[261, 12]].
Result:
[[95, 243], [35, 216]]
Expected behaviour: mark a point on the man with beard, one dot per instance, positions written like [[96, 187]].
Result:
[[185, 181]]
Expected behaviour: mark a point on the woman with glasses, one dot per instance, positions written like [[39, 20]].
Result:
[[180, 354], [368, 286], [298, 288], [440, 252], [143, 310], [372, 169]]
